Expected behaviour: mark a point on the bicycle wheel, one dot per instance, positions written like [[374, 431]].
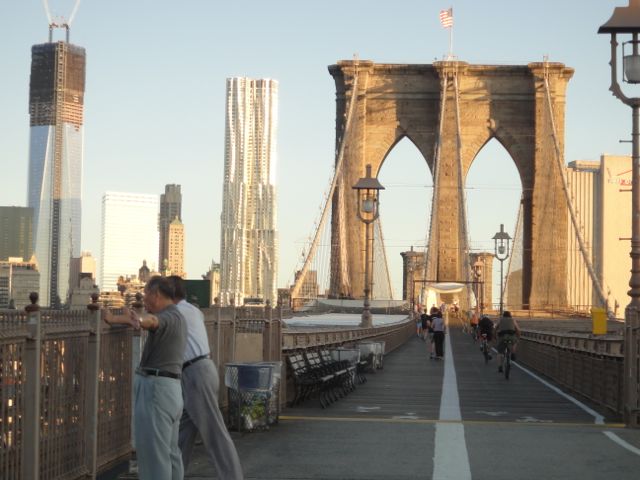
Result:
[[507, 362], [485, 351]]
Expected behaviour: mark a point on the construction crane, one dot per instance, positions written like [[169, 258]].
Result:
[[60, 22]]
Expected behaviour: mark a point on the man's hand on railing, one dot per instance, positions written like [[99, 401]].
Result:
[[129, 317]]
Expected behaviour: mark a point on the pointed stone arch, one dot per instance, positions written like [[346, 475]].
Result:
[[503, 102]]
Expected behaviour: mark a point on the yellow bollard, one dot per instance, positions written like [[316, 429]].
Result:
[[599, 321]]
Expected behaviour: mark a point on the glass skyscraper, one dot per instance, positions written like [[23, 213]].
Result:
[[56, 104], [249, 250], [129, 235]]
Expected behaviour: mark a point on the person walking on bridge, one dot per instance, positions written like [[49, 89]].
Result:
[[438, 326], [200, 385]]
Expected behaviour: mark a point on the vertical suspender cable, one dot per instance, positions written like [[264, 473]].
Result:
[[336, 177], [574, 219], [432, 241]]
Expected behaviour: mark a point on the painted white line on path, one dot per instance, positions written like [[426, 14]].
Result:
[[597, 418], [622, 443], [451, 459]]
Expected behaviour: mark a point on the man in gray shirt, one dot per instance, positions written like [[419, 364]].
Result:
[[200, 387], [157, 389]]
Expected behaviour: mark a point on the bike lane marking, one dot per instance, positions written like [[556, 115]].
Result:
[[451, 458], [597, 418], [615, 438]]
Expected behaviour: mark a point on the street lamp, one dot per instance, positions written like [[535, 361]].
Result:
[[626, 21], [368, 189], [501, 244]]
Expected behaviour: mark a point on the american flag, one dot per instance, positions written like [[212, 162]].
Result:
[[446, 18]]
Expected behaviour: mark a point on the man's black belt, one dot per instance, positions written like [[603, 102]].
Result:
[[154, 372], [194, 360]]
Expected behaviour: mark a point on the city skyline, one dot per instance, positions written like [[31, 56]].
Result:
[[167, 122]]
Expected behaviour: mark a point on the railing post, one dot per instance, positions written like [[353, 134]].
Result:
[[218, 330], [631, 372], [93, 387], [233, 335], [268, 329], [136, 353], [31, 425]]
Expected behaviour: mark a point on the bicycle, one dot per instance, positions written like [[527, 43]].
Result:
[[506, 359], [484, 348]]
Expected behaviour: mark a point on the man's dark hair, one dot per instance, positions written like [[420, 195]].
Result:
[[179, 291], [506, 313], [161, 285]]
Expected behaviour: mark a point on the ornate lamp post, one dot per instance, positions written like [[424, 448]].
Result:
[[501, 245], [368, 189], [626, 21]]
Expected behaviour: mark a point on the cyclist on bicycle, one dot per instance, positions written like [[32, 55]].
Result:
[[485, 327], [507, 330]]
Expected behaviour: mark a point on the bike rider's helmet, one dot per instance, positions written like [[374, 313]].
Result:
[[506, 313]]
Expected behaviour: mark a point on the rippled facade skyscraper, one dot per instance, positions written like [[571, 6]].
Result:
[[249, 243], [56, 108]]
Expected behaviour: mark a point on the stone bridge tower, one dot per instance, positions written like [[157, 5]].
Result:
[[507, 103]]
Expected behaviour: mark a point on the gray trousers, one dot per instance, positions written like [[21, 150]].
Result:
[[200, 384], [157, 409]]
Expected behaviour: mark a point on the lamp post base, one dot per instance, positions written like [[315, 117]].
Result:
[[632, 374], [366, 319]]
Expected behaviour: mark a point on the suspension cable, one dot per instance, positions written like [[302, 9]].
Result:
[[574, 219], [336, 177], [432, 242]]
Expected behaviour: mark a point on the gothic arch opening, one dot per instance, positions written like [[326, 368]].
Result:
[[493, 191], [405, 206]]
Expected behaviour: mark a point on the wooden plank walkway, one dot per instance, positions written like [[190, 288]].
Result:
[[391, 428]]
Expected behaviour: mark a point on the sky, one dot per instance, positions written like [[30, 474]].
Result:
[[155, 102]]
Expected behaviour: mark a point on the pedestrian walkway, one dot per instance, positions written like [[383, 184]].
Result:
[[454, 418]]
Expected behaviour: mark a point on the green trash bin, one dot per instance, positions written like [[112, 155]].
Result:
[[599, 321]]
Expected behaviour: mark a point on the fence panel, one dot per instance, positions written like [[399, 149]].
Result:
[[63, 387], [590, 367], [114, 397], [13, 337]]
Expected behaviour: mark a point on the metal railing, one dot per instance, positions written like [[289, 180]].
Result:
[[589, 365], [76, 420]]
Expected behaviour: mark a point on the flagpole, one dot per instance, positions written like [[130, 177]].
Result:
[[450, 43]]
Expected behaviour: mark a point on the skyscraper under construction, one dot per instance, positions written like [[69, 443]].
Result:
[[56, 105], [248, 247]]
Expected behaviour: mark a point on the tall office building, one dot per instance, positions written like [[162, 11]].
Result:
[[82, 267], [56, 103], [175, 257], [129, 235], [18, 279], [16, 232], [248, 250], [170, 209], [601, 195]]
